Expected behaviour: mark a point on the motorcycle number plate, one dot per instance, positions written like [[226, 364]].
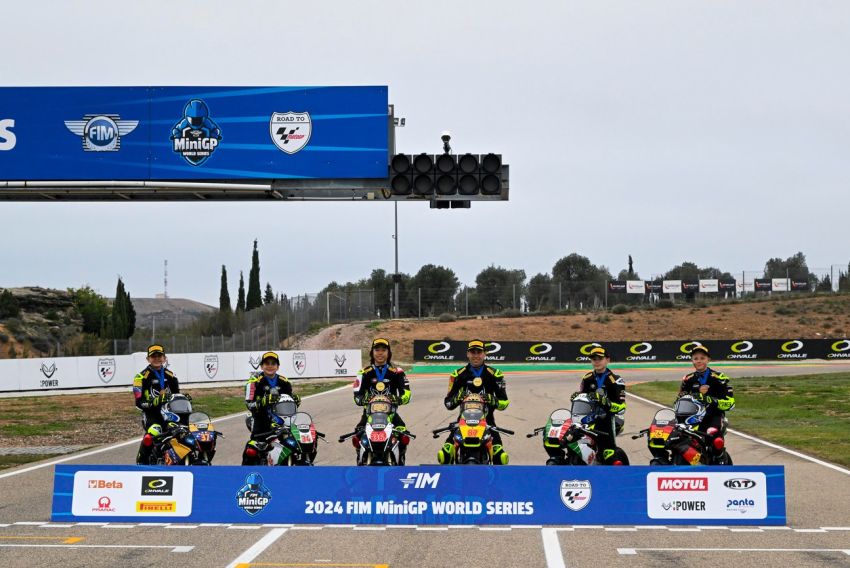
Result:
[[555, 432], [378, 437], [306, 438], [658, 434]]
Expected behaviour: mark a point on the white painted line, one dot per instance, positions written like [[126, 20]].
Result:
[[31, 523], [306, 528], [461, 526], [432, 528], [170, 526], [273, 525], [214, 524], [836, 528], [340, 526], [401, 526], [4, 524], [244, 527], [625, 551], [50, 526], [552, 549], [588, 526], [142, 525], [620, 529], [494, 528], [102, 449], [764, 442], [171, 546], [746, 530], [712, 527], [370, 528], [258, 547], [677, 529], [111, 526], [776, 528], [526, 526], [88, 524], [810, 530], [651, 527]]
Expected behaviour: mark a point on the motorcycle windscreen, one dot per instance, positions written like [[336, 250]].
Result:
[[199, 421], [560, 416], [472, 414], [685, 408], [304, 424], [380, 407], [180, 406], [662, 425]]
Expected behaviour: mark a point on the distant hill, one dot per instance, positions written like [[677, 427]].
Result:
[[168, 311]]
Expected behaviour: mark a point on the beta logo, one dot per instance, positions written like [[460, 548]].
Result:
[[683, 484], [104, 484], [101, 132], [420, 480], [8, 140], [290, 131], [195, 136]]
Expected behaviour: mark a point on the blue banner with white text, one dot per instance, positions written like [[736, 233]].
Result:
[[426, 495], [192, 133]]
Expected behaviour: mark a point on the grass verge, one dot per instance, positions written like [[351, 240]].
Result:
[[16, 460], [808, 413]]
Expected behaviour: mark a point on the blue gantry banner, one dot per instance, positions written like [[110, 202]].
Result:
[[480, 495], [193, 133]]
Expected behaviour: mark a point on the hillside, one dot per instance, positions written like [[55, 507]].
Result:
[[168, 311], [790, 316]]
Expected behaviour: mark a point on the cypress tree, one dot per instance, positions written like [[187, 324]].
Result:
[[254, 299], [224, 313], [120, 313], [240, 298], [269, 297]]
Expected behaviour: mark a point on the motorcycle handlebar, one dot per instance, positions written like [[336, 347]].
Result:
[[345, 437], [640, 434], [536, 432], [504, 431]]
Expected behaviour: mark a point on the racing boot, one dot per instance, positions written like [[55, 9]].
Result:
[[499, 456], [446, 455]]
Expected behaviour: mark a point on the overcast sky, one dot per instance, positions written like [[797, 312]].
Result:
[[713, 132]]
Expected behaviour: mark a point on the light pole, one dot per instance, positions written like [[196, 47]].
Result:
[[396, 123]]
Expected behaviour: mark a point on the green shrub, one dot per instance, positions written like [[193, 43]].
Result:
[[620, 309], [447, 317], [665, 304], [510, 313], [9, 306]]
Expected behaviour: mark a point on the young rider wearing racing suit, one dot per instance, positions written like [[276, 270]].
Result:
[[609, 390], [477, 377], [713, 389], [152, 387], [382, 377], [262, 392]]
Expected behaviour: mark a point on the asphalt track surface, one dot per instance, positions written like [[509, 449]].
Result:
[[818, 504]]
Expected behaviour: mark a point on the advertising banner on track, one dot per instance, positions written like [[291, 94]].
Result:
[[193, 133], [119, 370], [450, 351], [424, 495]]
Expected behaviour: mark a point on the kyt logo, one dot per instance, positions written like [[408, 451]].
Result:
[[7, 137], [739, 483], [420, 480]]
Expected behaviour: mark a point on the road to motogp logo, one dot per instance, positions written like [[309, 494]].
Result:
[[210, 365], [196, 136], [299, 362], [101, 132], [290, 131], [106, 369], [575, 493]]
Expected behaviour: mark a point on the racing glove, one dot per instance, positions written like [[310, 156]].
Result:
[[706, 399], [492, 400], [297, 399]]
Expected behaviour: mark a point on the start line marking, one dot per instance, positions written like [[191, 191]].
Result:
[[631, 551]]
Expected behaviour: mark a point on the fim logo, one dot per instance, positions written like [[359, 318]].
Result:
[[101, 132], [575, 494], [211, 365], [420, 480], [106, 369], [254, 495], [195, 136], [290, 131]]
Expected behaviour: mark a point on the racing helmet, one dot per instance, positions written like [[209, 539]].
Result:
[[196, 111], [177, 409], [285, 408], [254, 480], [584, 410], [689, 410]]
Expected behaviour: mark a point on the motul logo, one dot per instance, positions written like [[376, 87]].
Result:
[[683, 484]]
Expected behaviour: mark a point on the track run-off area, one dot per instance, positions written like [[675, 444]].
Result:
[[818, 500]]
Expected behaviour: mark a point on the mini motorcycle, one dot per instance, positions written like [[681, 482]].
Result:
[[471, 436], [673, 437], [188, 438], [379, 443], [293, 438], [570, 438]]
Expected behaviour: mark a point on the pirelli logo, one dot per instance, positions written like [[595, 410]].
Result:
[[156, 506]]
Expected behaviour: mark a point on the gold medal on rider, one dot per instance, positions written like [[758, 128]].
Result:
[[380, 387], [477, 382]]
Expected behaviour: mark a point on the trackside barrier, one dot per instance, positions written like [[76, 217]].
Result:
[[426, 495], [82, 372]]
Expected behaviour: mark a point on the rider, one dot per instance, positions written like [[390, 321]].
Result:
[[382, 377], [609, 390], [262, 392], [477, 377], [713, 389], [152, 387]]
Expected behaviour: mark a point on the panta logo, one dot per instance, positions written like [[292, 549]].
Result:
[[540, 349], [575, 494], [299, 362], [686, 348], [7, 137], [439, 347], [741, 346], [640, 348], [492, 347], [48, 370], [106, 369], [211, 365], [195, 136], [792, 346], [420, 480], [585, 349], [101, 132], [841, 346], [290, 131]]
